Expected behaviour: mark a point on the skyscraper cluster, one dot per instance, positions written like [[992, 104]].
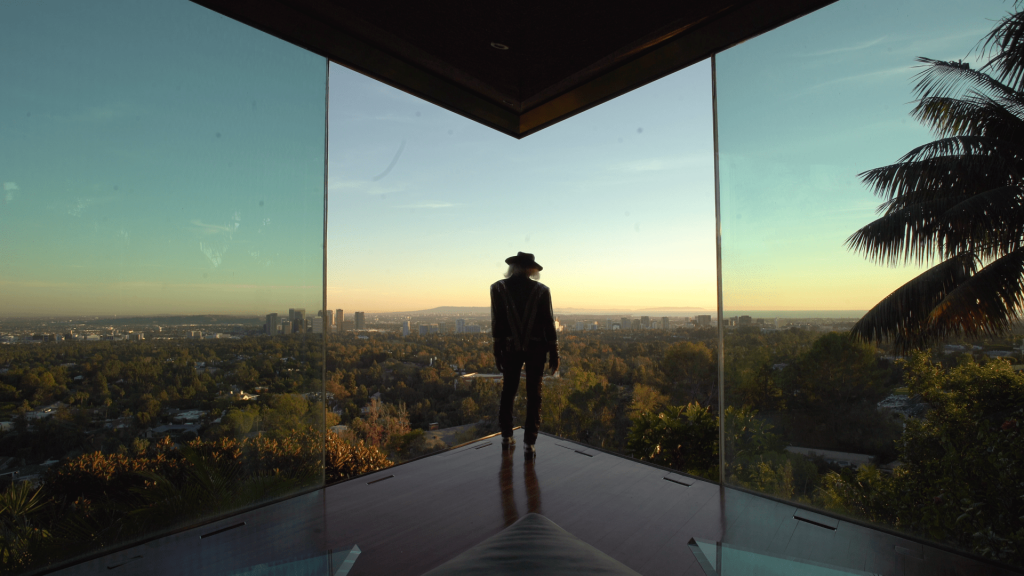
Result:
[[296, 323]]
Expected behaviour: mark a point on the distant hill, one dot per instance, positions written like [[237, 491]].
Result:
[[673, 309], [485, 311], [451, 311], [664, 311], [198, 320]]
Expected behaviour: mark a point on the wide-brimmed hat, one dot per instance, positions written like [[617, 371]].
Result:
[[523, 260]]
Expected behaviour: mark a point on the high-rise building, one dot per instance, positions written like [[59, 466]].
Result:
[[442, 327], [473, 329], [317, 325], [424, 329], [645, 322], [581, 326], [664, 322], [339, 318], [298, 319], [286, 326], [744, 321], [703, 320], [608, 324], [405, 328], [271, 326], [360, 321], [460, 326], [328, 320], [625, 323], [432, 329], [637, 324]]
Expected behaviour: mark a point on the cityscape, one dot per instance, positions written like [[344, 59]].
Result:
[[244, 269], [443, 320], [92, 407]]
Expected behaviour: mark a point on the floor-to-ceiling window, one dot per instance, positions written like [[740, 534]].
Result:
[[904, 431], [161, 232], [617, 206]]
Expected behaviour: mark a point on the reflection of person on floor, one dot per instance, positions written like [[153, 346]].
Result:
[[508, 497], [509, 510], [523, 326]]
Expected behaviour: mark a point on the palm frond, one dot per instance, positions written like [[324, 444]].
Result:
[[989, 301], [952, 299], [967, 164], [972, 115], [989, 225], [903, 235], [1006, 40], [954, 80], [904, 316]]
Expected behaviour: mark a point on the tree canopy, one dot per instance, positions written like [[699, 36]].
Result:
[[956, 203]]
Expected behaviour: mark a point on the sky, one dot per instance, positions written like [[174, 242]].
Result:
[[186, 174], [617, 203], [156, 158], [803, 110]]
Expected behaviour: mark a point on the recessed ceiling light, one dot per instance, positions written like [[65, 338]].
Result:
[[498, 46]]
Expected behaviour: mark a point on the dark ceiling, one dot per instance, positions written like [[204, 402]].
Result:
[[518, 66]]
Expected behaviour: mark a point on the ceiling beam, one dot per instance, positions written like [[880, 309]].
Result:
[[328, 29]]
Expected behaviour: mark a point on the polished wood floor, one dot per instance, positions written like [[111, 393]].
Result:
[[411, 518]]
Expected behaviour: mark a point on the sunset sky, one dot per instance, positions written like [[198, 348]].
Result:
[[617, 203], [156, 158], [802, 111], [185, 175]]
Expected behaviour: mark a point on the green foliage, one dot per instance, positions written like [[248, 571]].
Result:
[[961, 474], [101, 499], [831, 393], [691, 369], [21, 505], [680, 437], [612, 388], [645, 399], [344, 459], [756, 457], [583, 406]]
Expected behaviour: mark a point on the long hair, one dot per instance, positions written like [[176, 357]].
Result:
[[514, 269]]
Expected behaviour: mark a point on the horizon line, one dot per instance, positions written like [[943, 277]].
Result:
[[568, 311]]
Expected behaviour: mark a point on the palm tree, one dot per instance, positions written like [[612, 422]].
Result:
[[957, 200]]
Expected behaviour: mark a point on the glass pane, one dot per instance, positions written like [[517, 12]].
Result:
[[617, 205], [163, 182], [821, 410], [719, 559]]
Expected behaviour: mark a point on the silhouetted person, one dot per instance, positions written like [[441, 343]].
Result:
[[523, 326]]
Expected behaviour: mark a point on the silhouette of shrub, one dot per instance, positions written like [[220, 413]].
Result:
[[344, 460]]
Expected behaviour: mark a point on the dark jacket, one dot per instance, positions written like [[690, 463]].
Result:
[[522, 315]]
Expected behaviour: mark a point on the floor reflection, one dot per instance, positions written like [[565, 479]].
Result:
[[506, 484], [508, 496], [532, 487]]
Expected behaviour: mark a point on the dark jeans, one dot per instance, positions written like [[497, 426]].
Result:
[[514, 361]]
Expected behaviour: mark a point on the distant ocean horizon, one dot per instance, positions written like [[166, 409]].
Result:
[[458, 311], [672, 312], [857, 314]]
